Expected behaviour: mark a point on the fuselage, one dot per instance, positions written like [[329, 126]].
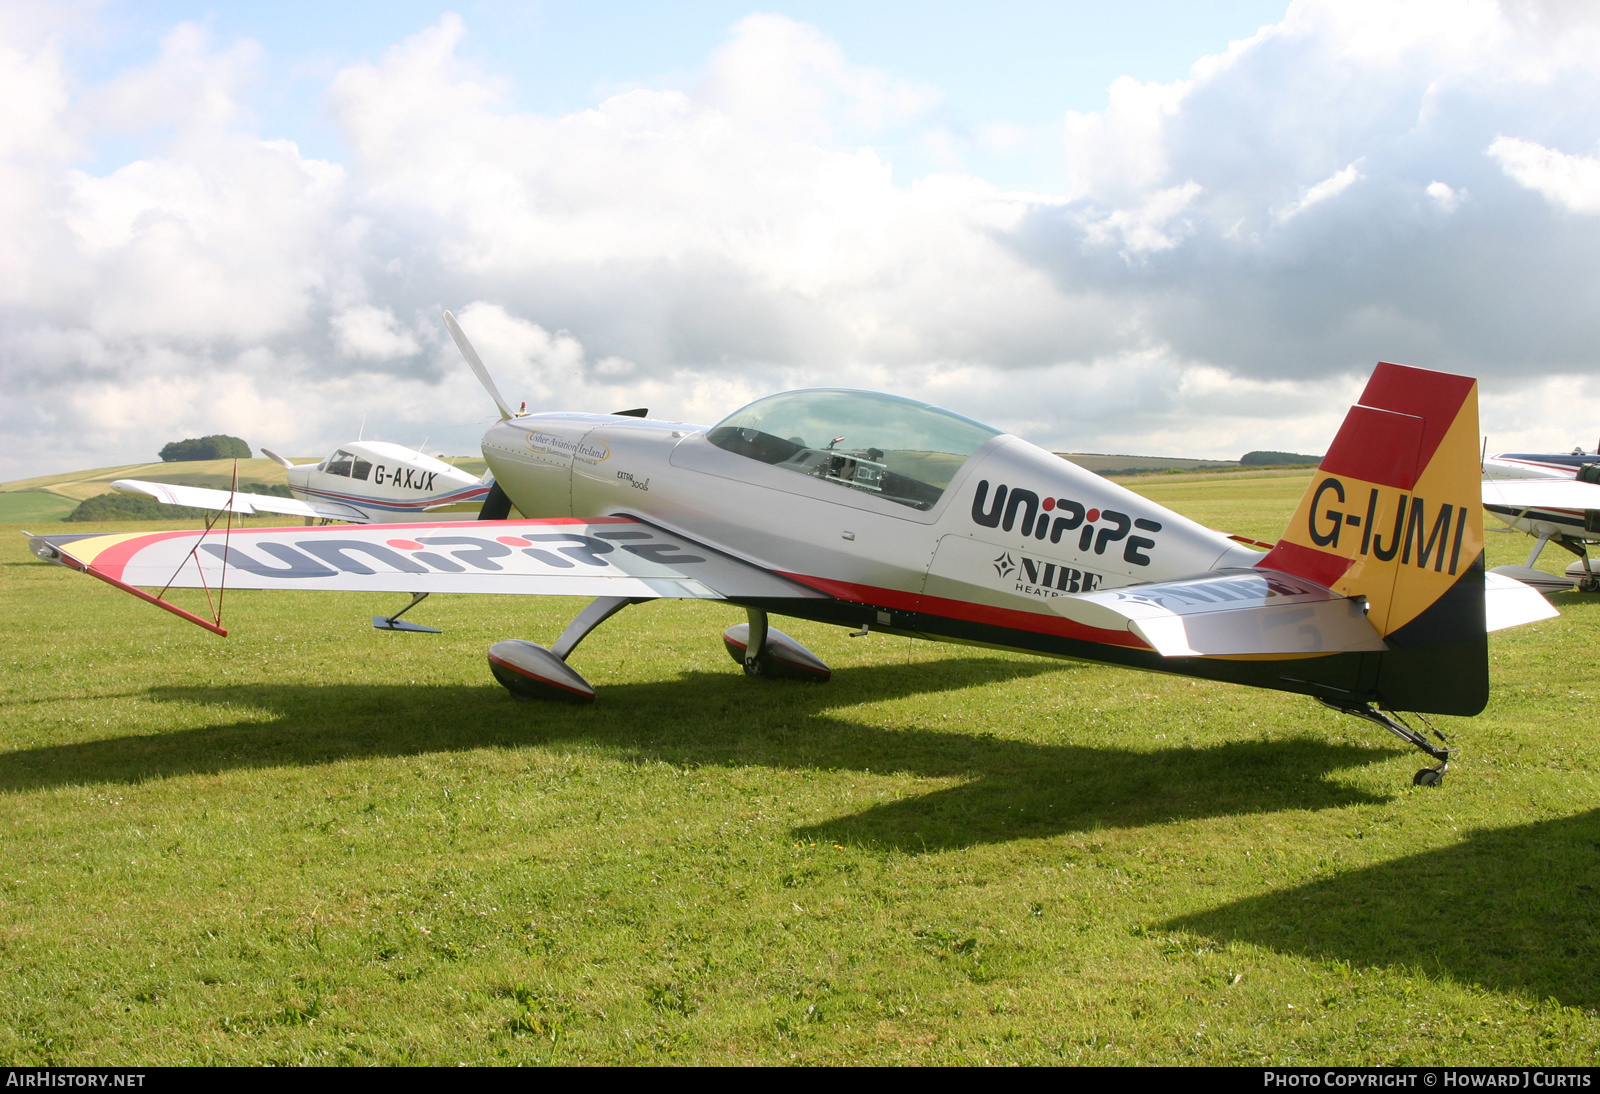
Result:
[[387, 483], [1014, 527]]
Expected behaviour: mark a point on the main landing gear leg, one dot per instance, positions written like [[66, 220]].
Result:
[[1538, 549], [755, 644], [1428, 776], [598, 611]]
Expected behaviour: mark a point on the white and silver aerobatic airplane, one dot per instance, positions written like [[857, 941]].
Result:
[[1554, 497], [876, 512], [362, 482]]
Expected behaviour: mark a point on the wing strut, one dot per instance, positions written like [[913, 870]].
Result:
[[166, 605], [222, 584]]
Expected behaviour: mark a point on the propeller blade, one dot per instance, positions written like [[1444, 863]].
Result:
[[275, 458], [640, 412], [475, 363]]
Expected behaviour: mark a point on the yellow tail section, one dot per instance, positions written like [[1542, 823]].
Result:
[[1394, 514]]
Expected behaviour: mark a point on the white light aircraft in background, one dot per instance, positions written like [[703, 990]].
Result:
[[881, 513], [1554, 497], [362, 482]]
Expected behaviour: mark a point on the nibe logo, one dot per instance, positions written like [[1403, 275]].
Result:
[[1036, 577], [1055, 517]]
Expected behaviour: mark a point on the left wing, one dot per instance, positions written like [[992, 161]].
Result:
[[224, 501], [611, 556]]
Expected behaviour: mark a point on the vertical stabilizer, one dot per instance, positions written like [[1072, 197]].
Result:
[[1394, 514]]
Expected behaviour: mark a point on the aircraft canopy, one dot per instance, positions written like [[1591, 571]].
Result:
[[900, 449]]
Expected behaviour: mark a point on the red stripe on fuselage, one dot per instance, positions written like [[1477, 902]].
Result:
[[967, 612]]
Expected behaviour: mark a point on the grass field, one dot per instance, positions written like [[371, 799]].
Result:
[[316, 842]]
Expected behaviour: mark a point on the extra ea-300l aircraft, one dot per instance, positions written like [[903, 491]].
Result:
[[1554, 497], [362, 482], [877, 512]]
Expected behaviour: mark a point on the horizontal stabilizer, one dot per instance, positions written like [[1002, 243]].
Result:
[[1235, 612], [245, 505], [1510, 601]]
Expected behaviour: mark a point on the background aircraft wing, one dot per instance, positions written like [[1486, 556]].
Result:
[[613, 556], [1235, 612], [200, 497], [1541, 494]]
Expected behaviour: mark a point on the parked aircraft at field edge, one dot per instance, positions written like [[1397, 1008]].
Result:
[[1554, 497], [876, 512], [362, 482]]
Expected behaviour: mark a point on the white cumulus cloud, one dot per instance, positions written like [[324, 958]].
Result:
[[1572, 182], [1225, 257]]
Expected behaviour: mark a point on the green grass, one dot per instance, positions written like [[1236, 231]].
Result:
[[316, 842], [34, 506]]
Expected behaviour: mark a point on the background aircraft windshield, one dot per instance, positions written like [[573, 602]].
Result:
[[899, 449]]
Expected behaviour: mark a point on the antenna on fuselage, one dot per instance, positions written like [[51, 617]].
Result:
[[475, 363]]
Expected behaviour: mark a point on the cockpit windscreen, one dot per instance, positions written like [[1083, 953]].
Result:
[[898, 449]]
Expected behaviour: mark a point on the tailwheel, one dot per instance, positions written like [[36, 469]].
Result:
[[1428, 776]]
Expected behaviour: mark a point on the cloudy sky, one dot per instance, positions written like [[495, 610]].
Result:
[[1176, 228]]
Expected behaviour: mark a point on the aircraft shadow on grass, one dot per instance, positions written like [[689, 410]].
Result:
[[1508, 909], [1011, 789]]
